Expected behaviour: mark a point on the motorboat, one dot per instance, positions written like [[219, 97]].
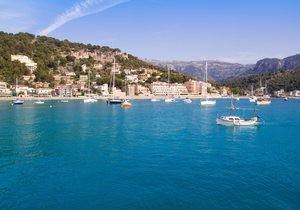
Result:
[[18, 102], [39, 102], [169, 100], [126, 104], [252, 99], [263, 101], [114, 101], [286, 99], [64, 101], [207, 102], [232, 120], [90, 100], [187, 100], [154, 99]]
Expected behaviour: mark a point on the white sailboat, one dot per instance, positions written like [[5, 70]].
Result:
[[169, 99], [113, 99], [233, 120], [265, 99], [17, 101], [89, 99], [207, 102], [252, 98]]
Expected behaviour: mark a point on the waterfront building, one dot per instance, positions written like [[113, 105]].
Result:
[[30, 64], [295, 93], [4, 90], [131, 90], [163, 88], [104, 90], [64, 90], [279, 93], [44, 91], [193, 87]]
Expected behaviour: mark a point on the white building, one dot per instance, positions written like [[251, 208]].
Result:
[[132, 78], [162, 88], [30, 64], [295, 93], [44, 91], [4, 90], [104, 90]]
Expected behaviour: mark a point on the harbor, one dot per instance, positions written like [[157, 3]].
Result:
[[117, 155]]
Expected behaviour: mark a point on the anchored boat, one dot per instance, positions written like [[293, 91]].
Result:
[[207, 102]]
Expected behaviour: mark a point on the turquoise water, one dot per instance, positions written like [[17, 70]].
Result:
[[152, 156]]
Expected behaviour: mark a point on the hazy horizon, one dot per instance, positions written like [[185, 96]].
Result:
[[231, 31]]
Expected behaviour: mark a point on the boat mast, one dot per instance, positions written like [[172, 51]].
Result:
[[113, 86], [206, 79]]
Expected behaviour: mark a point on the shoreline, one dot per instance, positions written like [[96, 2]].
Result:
[[128, 97]]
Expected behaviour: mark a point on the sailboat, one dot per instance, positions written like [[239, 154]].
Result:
[[126, 103], [169, 99], [17, 101], [265, 100], [207, 102], [233, 120], [89, 99], [252, 98], [113, 99]]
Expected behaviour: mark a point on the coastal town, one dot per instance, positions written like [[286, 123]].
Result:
[[68, 84]]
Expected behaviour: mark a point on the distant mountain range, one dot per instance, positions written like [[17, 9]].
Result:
[[219, 70]]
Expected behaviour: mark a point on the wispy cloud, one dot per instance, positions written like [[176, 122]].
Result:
[[78, 10]]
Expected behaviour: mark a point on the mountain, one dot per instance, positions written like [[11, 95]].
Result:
[[269, 65], [288, 80], [217, 70], [55, 58]]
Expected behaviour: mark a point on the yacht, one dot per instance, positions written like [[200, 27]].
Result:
[[169, 99], [207, 102], [17, 101], [252, 98], [89, 99], [113, 99]]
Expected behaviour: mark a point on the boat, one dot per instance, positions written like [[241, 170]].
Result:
[[113, 99], [187, 100], [169, 99], [263, 101], [39, 102], [126, 104], [233, 120], [154, 99], [17, 101], [286, 99], [89, 99], [207, 102], [64, 101], [237, 98], [252, 98]]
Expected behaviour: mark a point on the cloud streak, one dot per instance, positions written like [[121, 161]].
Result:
[[78, 10]]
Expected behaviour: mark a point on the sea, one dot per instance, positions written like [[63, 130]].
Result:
[[155, 155]]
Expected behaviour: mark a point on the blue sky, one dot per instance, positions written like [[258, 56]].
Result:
[[230, 30]]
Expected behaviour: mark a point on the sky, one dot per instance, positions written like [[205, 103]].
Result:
[[242, 31]]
